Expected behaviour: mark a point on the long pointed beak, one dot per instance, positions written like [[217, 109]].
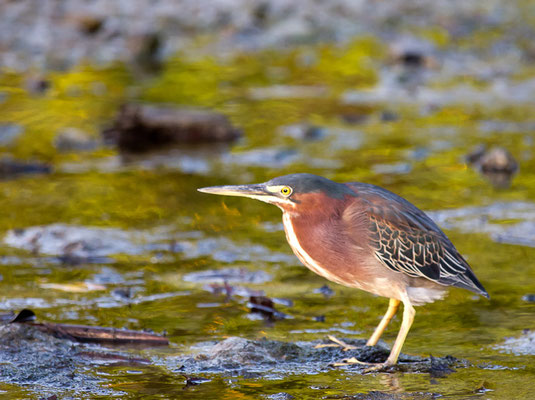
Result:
[[253, 191]]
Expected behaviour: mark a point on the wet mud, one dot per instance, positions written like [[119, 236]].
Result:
[[242, 357], [34, 359]]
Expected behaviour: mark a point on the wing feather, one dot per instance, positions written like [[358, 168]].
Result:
[[406, 240]]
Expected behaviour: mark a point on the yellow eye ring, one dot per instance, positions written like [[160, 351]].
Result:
[[286, 191]]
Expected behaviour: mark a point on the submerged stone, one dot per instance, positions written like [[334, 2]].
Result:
[[138, 128], [496, 164]]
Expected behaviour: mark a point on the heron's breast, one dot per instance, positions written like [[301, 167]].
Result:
[[322, 254]]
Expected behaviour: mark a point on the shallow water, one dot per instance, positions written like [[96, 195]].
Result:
[[146, 231]]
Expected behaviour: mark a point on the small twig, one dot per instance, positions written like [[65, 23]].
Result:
[[321, 346], [345, 346]]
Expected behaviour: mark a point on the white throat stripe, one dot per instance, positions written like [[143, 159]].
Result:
[[303, 256]]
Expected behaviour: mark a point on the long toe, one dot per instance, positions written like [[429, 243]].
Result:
[[370, 367], [381, 367], [352, 361]]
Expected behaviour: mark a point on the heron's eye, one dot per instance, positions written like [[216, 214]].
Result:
[[286, 191]]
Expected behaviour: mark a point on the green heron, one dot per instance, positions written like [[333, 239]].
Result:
[[363, 236]]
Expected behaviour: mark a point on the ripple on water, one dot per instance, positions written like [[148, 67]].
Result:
[[230, 275], [504, 222], [522, 345], [81, 241], [94, 244]]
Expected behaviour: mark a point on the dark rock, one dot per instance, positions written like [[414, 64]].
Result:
[[37, 85], [497, 160], [412, 59], [26, 315], [139, 128], [412, 52], [496, 164]]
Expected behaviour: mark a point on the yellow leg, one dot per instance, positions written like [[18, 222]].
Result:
[[393, 306], [408, 318]]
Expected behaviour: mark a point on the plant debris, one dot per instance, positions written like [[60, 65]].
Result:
[[194, 380], [93, 334], [264, 305]]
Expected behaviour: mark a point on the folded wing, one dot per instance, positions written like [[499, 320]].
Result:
[[406, 240]]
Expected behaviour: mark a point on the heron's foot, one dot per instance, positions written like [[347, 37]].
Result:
[[379, 367], [370, 367], [350, 361]]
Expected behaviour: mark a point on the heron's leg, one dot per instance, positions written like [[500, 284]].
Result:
[[408, 318], [393, 306]]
